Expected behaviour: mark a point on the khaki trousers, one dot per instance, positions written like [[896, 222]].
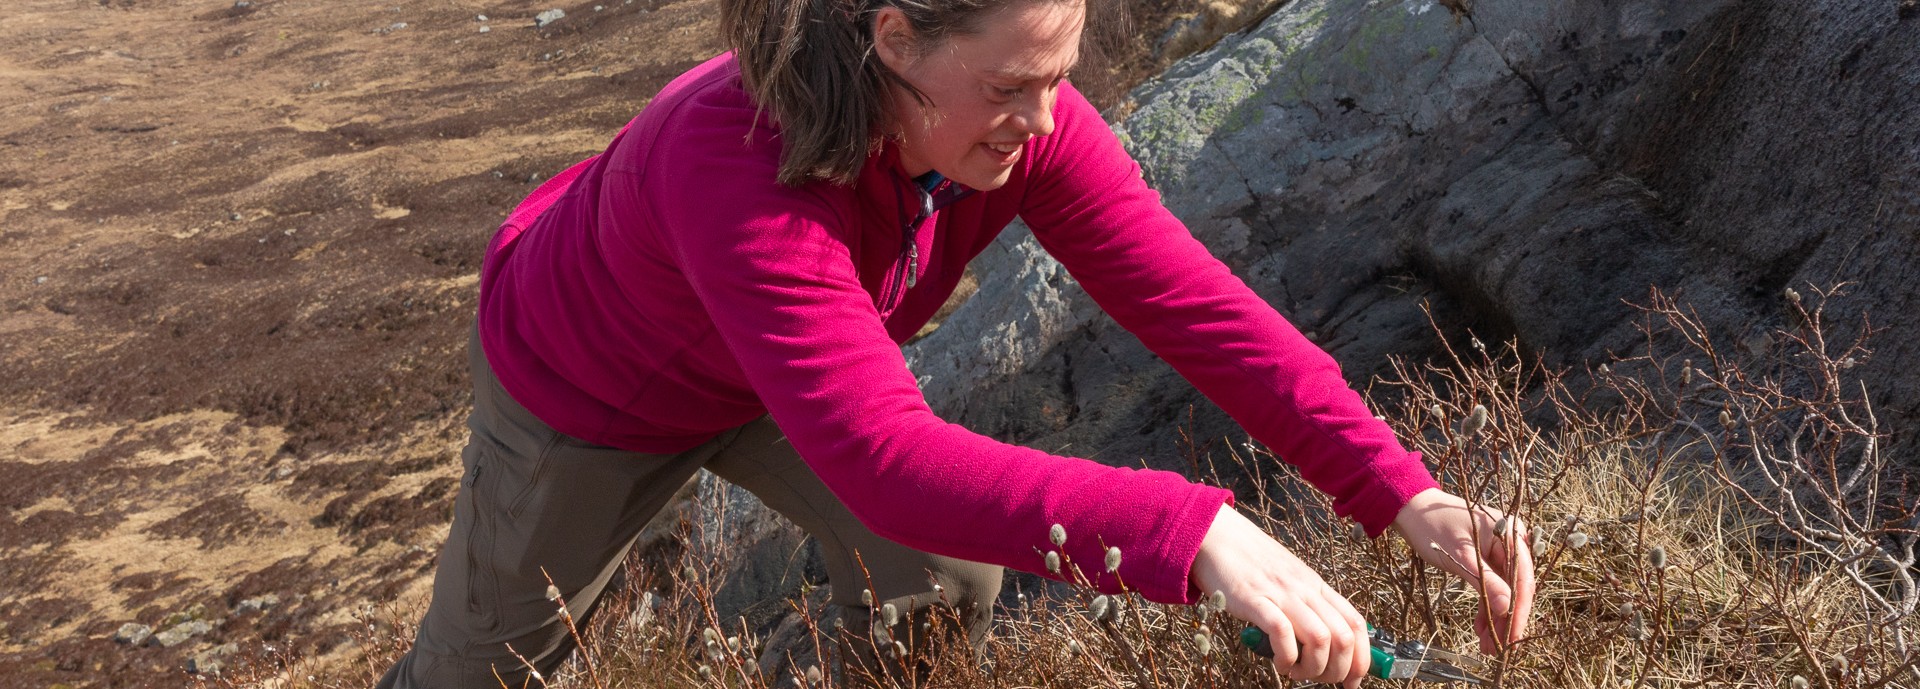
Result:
[[534, 498]]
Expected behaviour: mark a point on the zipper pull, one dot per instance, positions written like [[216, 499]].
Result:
[[913, 263]]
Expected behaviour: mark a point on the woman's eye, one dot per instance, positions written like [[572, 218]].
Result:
[[1006, 92]]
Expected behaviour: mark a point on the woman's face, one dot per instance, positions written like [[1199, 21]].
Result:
[[988, 92]]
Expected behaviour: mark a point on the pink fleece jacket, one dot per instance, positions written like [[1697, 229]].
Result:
[[669, 289]]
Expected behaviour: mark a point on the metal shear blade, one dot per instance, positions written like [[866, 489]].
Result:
[[1414, 659]]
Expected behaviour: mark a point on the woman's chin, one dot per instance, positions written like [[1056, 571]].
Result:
[[983, 177]]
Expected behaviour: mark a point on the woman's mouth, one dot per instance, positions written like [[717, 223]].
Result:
[[1002, 153]]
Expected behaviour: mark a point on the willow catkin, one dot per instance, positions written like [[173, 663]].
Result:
[[1476, 421]]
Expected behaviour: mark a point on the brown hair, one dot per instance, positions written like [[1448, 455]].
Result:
[[811, 63]]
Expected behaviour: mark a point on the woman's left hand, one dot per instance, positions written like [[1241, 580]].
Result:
[[1498, 564]]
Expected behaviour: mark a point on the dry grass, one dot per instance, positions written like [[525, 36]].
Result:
[[1677, 546]]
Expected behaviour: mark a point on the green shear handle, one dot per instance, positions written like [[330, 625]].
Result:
[[1381, 667], [1391, 659]]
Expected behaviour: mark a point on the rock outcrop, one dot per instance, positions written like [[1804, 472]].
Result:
[[1524, 169]]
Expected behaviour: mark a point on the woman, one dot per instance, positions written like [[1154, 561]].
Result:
[[726, 287]]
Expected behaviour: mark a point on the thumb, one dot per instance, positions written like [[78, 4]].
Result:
[[1499, 594]]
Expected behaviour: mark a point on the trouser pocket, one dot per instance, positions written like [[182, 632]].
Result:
[[482, 589]]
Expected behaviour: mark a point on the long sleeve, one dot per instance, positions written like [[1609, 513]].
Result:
[[1090, 209], [772, 268]]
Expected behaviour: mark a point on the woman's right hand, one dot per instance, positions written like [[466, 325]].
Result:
[[1316, 634]]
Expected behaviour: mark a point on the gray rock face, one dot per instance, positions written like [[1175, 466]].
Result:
[[771, 557], [543, 19], [1525, 169]]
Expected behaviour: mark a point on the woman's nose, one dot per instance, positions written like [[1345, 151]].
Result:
[[1035, 116]]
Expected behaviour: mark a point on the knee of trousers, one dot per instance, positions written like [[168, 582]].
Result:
[[961, 592], [947, 582]]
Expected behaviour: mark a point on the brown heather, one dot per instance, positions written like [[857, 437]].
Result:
[[1771, 552]]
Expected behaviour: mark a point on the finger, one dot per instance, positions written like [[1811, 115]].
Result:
[[1484, 629], [1313, 637], [1340, 643], [1513, 562], [1350, 617], [1267, 616], [1497, 605], [1521, 574]]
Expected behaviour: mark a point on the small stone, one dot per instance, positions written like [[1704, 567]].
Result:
[[480, 18], [212, 660], [486, 29], [195, 612], [543, 19], [597, 8], [41, 280], [133, 633], [256, 604]]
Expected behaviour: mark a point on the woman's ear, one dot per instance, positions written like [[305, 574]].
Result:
[[893, 38]]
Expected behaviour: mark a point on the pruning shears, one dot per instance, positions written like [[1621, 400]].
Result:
[[1392, 659]]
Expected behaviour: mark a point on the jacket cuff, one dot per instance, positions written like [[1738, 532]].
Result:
[[1393, 485], [1183, 545]]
